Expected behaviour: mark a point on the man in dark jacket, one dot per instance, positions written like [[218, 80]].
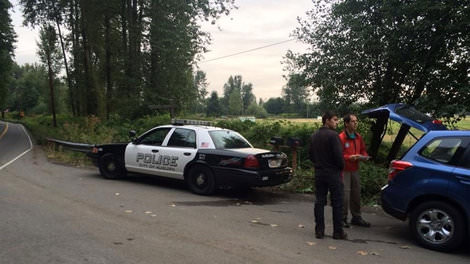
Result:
[[326, 153]]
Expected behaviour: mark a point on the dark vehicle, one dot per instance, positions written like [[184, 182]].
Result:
[[205, 157], [430, 183]]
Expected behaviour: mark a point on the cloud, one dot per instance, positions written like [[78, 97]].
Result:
[[254, 24]]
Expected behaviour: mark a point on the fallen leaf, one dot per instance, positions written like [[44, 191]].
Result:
[[117, 194], [362, 253], [405, 247], [374, 254], [274, 225], [172, 205], [301, 226], [311, 243], [254, 221], [128, 211], [148, 212], [332, 248]]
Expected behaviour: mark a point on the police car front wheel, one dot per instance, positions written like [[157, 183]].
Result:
[[201, 180], [110, 167]]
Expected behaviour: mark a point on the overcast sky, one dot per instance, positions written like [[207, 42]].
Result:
[[256, 23]]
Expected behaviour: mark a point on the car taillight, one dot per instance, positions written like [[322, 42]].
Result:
[[251, 162], [437, 122], [397, 166]]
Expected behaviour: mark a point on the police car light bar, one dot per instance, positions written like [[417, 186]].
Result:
[[181, 122]]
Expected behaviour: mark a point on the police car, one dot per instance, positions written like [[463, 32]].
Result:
[[205, 157]]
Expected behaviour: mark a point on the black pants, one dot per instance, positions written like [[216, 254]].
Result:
[[333, 184]]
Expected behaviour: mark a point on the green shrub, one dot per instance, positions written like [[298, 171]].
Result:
[[373, 177], [93, 130]]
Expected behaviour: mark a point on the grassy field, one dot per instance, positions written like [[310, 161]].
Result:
[[392, 128]]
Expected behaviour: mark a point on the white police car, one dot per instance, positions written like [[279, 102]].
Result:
[[206, 157]]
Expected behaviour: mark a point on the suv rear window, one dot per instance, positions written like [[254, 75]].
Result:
[[442, 149], [226, 139], [413, 114]]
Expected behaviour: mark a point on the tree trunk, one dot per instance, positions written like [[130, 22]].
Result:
[[67, 72], [108, 81], [51, 87], [91, 95]]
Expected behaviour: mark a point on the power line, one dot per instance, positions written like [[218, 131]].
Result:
[[250, 50]]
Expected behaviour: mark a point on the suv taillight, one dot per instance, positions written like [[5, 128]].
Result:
[[397, 166], [251, 162]]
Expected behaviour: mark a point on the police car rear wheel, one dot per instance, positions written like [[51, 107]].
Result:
[[110, 167], [201, 180]]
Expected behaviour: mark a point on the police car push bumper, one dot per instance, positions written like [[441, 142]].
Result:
[[229, 176]]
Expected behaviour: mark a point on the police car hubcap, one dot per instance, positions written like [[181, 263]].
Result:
[[111, 166], [200, 179]]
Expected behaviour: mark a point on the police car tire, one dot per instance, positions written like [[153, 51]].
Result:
[[110, 167], [201, 180]]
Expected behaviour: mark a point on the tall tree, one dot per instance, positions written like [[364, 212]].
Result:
[[248, 98], [274, 105], [381, 52], [127, 55], [200, 85], [213, 105], [235, 103], [26, 87], [388, 51], [234, 89], [7, 40], [50, 56], [295, 92]]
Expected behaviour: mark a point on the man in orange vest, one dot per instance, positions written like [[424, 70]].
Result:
[[354, 151]]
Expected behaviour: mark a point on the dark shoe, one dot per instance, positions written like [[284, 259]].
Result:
[[319, 235], [360, 222], [342, 235], [346, 224]]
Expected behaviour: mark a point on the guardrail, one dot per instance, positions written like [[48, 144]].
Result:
[[80, 147]]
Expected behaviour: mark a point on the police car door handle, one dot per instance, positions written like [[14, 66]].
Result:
[[187, 153], [154, 150]]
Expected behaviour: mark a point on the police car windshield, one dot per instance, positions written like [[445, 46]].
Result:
[[226, 139]]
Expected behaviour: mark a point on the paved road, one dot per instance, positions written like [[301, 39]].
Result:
[[52, 213], [14, 142]]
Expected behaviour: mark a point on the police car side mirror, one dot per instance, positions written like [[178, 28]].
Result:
[[132, 134]]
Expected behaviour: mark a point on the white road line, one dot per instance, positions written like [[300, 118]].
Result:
[[22, 154]]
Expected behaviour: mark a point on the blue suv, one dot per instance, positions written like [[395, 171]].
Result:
[[430, 183]]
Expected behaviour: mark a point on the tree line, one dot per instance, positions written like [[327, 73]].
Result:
[[135, 57], [123, 57]]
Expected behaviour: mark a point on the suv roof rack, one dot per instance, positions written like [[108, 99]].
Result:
[[182, 122]]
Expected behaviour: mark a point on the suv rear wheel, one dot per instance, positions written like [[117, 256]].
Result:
[[437, 225]]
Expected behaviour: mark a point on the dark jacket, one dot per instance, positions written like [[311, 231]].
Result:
[[326, 151]]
